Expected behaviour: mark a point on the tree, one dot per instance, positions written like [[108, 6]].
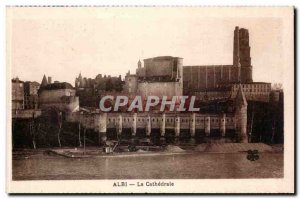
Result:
[[109, 85], [59, 121]]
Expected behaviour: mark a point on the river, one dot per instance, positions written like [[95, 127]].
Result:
[[177, 166]]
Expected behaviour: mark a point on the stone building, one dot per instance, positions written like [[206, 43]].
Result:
[[223, 126], [58, 95], [160, 76], [90, 90], [241, 115], [99, 83], [131, 83], [31, 95], [24, 99], [17, 96], [276, 96], [255, 91]]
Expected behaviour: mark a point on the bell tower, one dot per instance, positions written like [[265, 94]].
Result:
[[241, 55]]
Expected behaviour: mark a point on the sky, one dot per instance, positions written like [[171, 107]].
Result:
[[62, 42]]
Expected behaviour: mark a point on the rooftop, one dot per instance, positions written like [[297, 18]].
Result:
[[16, 80], [163, 58], [58, 85], [226, 65]]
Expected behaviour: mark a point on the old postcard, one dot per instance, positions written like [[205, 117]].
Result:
[[150, 99]]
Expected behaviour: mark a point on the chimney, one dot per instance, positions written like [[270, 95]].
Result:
[[49, 80]]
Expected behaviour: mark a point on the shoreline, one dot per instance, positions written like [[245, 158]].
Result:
[[97, 152]]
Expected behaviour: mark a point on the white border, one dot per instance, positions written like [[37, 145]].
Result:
[[80, 2]]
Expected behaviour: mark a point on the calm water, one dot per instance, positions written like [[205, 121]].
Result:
[[192, 166]]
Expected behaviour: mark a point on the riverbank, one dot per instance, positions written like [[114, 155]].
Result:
[[97, 152]]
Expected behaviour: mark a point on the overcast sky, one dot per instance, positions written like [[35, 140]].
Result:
[[61, 42]]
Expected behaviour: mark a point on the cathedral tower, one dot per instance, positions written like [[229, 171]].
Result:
[[241, 55]]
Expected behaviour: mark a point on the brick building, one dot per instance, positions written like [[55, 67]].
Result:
[[218, 81]]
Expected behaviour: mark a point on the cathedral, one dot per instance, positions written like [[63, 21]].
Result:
[[202, 77]]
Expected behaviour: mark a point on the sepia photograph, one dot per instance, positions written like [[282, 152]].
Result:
[[150, 99]]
